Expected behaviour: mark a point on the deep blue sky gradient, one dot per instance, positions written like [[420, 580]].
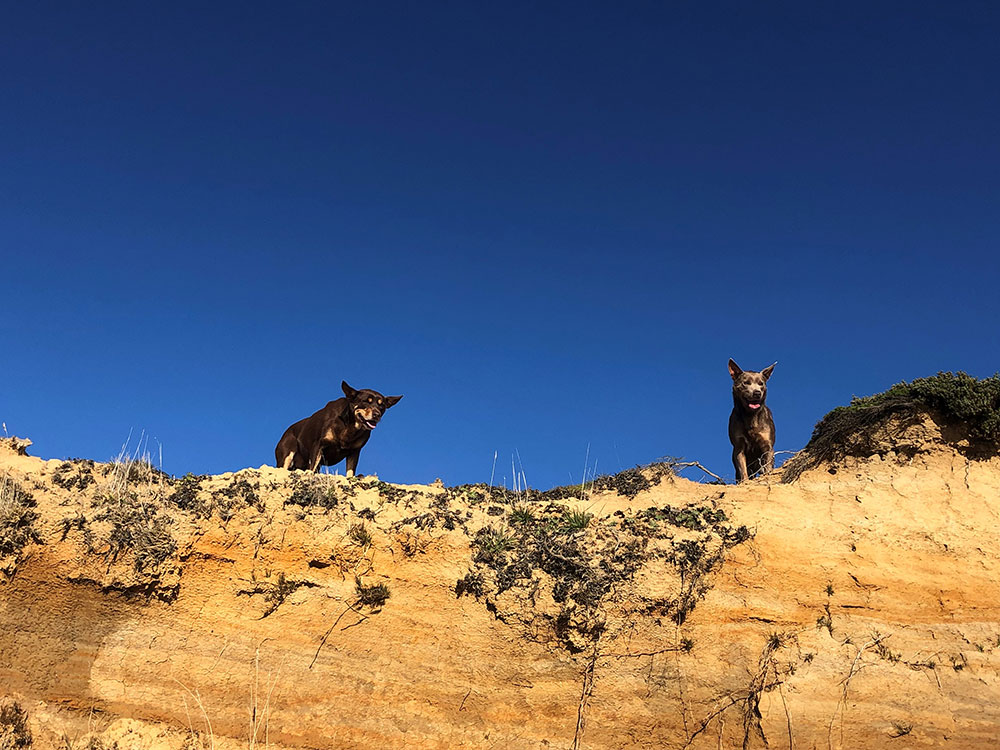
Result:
[[547, 225]]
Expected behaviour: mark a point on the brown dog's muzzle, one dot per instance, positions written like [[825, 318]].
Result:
[[367, 418]]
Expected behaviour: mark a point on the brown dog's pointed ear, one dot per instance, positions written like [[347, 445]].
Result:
[[766, 372], [391, 401], [734, 369], [348, 391]]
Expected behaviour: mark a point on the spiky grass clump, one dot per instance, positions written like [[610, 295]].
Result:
[[277, 592], [576, 520], [491, 543], [521, 514]]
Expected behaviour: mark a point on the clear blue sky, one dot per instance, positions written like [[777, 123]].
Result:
[[547, 225]]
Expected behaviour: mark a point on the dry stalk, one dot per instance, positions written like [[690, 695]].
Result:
[[260, 717], [697, 465], [196, 695], [846, 682]]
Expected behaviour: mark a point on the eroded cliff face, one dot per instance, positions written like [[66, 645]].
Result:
[[243, 610]]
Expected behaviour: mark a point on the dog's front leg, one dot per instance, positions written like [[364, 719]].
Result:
[[352, 462], [740, 464], [316, 460]]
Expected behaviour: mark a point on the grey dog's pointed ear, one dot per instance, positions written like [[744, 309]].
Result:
[[348, 391], [734, 369], [391, 401], [766, 372]]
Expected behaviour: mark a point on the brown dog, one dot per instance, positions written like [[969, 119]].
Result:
[[751, 425], [337, 431]]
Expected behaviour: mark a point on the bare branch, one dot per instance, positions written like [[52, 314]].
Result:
[[695, 464]]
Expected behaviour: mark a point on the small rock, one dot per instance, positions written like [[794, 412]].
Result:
[[16, 444]]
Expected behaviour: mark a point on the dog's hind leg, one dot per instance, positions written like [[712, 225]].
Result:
[[316, 461], [284, 452]]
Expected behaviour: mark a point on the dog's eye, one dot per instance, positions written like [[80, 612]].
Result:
[[380, 402], [369, 399]]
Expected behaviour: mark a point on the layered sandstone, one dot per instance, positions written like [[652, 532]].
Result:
[[858, 610]]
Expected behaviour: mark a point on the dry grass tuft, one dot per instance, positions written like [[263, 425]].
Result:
[[130, 502], [17, 517]]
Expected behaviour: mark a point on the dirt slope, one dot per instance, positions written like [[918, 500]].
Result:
[[857, 609]]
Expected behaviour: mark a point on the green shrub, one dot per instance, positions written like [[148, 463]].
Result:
[[852, 430], [627, 483], [65, 477], [472, 583], [239, 493]]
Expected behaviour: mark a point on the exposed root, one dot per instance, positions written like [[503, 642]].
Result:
[[588, 688], [767, 678], [322, 641]]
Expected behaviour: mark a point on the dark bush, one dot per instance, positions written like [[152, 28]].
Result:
[[185, 495], [14, 732]]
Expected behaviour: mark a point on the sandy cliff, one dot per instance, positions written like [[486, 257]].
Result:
[[854, 608]]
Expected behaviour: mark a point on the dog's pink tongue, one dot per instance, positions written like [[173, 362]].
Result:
[[754, 406]]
